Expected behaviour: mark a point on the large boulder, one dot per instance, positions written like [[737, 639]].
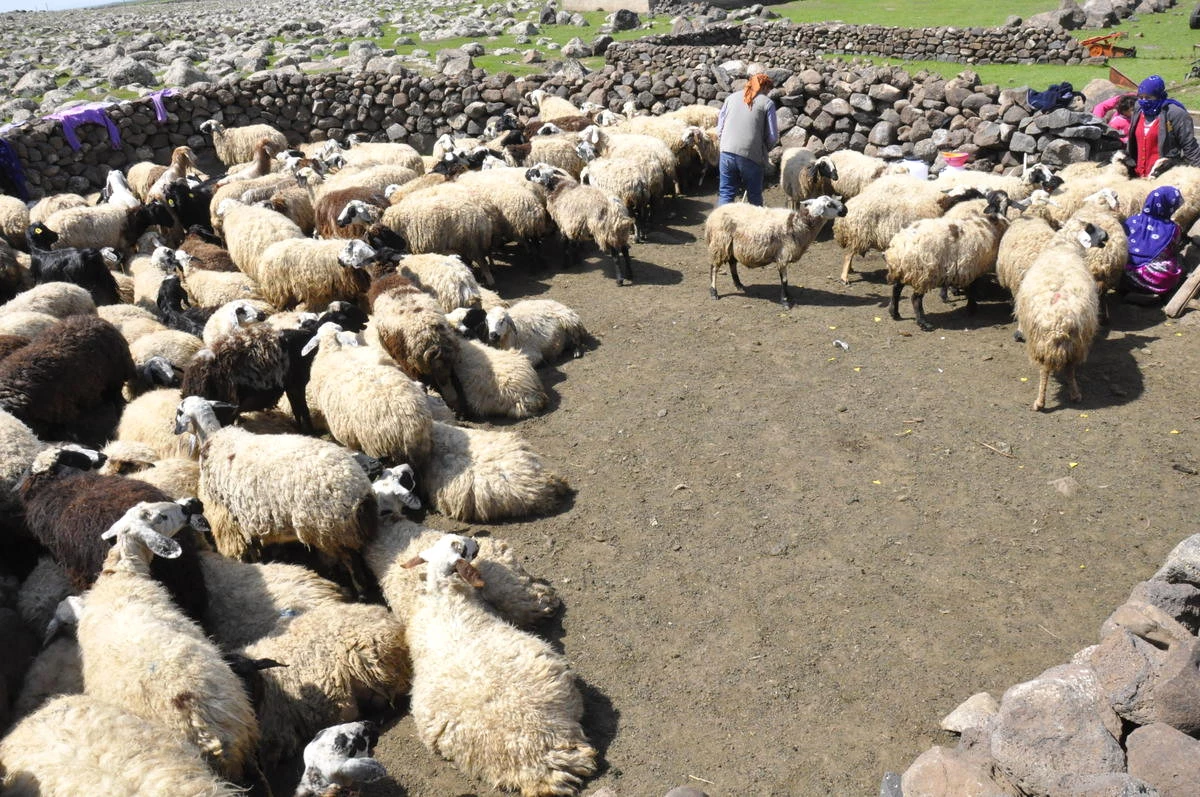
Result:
[[35, 83], [127, 71], [453, 61], [624, 19], [183, 72], [1166, 759]]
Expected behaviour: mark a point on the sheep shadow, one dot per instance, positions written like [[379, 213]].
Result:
[[682, 211], [601, 719], [801, 296], [1125, 316], [1111, 377]]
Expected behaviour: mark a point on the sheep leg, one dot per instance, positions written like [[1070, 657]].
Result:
[[485, 271], [300, 412], [616, 259], [918, 303], [737, 282], [894, 307], [1018, 335], [628, 264], [972, 292], [784, 299], [712, 280], [1103, 304], [1072, 385], [846, 268], [1040, 401]]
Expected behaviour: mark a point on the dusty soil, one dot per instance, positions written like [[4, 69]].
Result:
[[786, 561]]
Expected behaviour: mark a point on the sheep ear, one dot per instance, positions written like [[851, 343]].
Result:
[[311, 346], [160, 545], [411, 563], [468, 573]]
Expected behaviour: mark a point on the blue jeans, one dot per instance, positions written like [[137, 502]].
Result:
[[739, 173]]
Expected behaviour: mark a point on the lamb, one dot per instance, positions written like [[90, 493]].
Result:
[[887, 206], [518, 597], [1057, 307], [102, 226], [475, 475], [81, 351], [498, 382], [174, 308], [445, 277], [250, 230], [541, 329], [756, 237], [803, 175], [408, 325], [167, 670], [232, 316], [501, 703], [182, 159], [88, 268], [310, 272], [366, 401], [77, 744], [68, 507], [258, 165], [446, 219], [855, 171], [58, 299], [583, 212], [236, 144], [951, 251], [117, 192], [315, 494], [338, 758], [331, 206]]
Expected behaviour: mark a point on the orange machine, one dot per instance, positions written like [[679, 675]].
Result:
[[1103, 46]]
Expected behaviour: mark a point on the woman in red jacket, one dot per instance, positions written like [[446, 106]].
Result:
[[1161, 128]]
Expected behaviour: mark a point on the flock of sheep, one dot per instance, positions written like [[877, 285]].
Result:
[[295, 342], [1055, 241]]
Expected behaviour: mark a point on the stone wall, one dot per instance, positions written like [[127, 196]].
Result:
[[781, 42], [823, 105]]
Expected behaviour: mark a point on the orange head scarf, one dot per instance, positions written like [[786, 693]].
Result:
[[757, 84]]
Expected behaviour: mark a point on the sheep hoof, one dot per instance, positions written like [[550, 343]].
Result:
[[786, 304], [1037, 406], [620, 282], [925, 326], [713, 293]]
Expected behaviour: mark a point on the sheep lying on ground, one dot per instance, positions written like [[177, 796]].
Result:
[[142, 653], [541, 329], [1057, 307], [477, 475], [757, 237], [338, 759], [951, 251], [260, 489], [366, 401], [78, 745], [500, 703], [497, 382]]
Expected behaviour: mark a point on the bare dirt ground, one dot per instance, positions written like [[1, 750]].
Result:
[[786, 561]]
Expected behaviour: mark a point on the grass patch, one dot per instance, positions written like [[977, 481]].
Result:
[[1163, 41]]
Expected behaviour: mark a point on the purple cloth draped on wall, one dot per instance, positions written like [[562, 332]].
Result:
[[10, 164], [160, 110], [92, 113]]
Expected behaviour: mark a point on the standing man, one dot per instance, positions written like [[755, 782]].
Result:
[[1161, 128], [748, 130]]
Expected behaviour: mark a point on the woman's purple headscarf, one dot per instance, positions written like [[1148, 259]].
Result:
[[1152, 231], [1152, 96]]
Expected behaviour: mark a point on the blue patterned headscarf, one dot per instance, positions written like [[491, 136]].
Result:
[[1152, 96], [1152, 231]]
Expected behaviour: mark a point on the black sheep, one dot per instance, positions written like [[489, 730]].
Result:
[[87, 268], [188, 203], [250, 368], [68, 506], [173, 308], [66, 383]]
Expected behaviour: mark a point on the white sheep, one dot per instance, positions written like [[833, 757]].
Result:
[[803, 175], [1057, 307], [757, 237], [260, 489], [365, 400], [311, 272], [498, 702], [337, 655], [79, 744], [14, 219], [445, 277], [236, 145], [103, 226], [704, 116], [18, 446], [855, 171], [1017, 186], [141, 652], [232, 316], [250, 230], [1107, 263], [550, 106], [1023, 241], [498, 381], [951, 251], [41, 592], [477, 475], [541, 329], [886, 206], [47, 206], [524, 601], [338, 759], [56, 670], [446, 219], [25, 323], [177, 477], [518, 206], [150, 419], [206, 288], [59, 299]]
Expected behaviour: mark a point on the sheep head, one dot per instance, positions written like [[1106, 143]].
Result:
[[212, 127], [396, 487], [158, 371], [824, 207], [198, 415], [997, 203], [66, 615], [329, 334], [1106, 197], [471, 322], [500, 328], [145, 530], [40, 236], [357, 254], [338, 759], [68, 457], [358, 212], [544, 175], [449, 555]]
